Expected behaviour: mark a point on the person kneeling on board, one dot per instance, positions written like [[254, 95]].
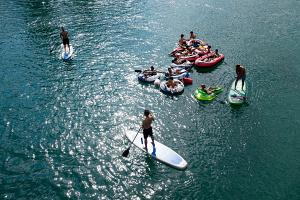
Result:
[[147, 129]]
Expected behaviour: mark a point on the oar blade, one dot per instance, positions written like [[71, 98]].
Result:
[[138, 70], [125, 153]]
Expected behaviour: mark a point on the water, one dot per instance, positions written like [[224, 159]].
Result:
[[62, 123]]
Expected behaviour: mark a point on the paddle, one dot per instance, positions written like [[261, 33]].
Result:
[[126, 152], [139, 71], [51, 48]]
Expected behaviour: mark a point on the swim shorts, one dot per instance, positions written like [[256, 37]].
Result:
[[66, 41], [147, 132]]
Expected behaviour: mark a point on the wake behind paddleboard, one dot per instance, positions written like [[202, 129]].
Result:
[[160, 152], [68, 54], [237, 95]]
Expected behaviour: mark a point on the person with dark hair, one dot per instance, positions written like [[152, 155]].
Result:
[[170, 83], [182, 41], [192, 35], [241, 74], [208, 49], [147, 128], [150, 72], [207, 91], [64, 38], [216, 53]]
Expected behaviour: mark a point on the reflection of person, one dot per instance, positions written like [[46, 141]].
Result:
[[241, 74], [147, 128], [64, 38]]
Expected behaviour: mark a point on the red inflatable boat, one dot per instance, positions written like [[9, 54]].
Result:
[[208, 60]]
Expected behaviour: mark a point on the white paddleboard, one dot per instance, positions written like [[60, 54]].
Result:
[[68, 54], [160, 152], [237, 96]]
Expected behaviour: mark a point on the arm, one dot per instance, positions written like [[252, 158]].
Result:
[[151, 116]]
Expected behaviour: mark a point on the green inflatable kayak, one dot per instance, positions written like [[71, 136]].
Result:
[[201, 95]]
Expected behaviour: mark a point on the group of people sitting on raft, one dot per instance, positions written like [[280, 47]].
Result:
[[171, 72], [188, 47]]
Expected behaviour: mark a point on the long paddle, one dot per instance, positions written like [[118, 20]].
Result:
[[139, 71], [126, 152]]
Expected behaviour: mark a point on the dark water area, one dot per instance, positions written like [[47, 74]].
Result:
[[62, 124]]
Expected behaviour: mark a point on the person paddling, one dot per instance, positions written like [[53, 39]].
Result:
[[64, 38], [147, 129], [241, 74]]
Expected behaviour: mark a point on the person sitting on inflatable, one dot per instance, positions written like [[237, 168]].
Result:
[[207, 91], [192, 35], [170, 83], [213, 56], [170, 72], [150, 72], [216, 54], [182, 41], [177, 60]]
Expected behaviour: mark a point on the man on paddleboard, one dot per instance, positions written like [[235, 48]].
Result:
[[64, 38], [241, 74], [147, 129]]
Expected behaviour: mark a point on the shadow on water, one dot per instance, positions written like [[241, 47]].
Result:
[[151, 162], [68, 65], [239, 107]]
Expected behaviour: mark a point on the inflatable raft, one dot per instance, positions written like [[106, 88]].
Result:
[[148, 77], [178, 89], [208, 60], [201, 95]]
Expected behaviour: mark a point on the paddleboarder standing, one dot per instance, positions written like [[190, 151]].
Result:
[[241, 74], [146, 125], [64, 38]]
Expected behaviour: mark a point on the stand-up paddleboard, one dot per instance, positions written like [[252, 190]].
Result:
[[68, 54], [237, 96], [160, 152]]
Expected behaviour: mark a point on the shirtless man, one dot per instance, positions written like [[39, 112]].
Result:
[[147, 129], [182, 41], [241, 74], [207, 91], [192, 35], [64, 38], [170, 83]]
